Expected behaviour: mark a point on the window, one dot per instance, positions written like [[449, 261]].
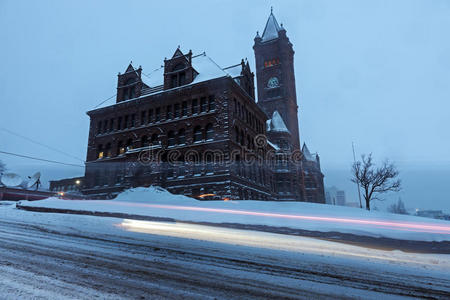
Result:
[[120, 148], [203, 105], [181, 137], [194, 106], [184, 109], [198, 136], [154, 139], [182, 78], [100, 152], [108, 150], [111, 125], [169, 112], [129, 144], [144, 141], [212, 103], [125, 125], [158, 114], [129, 89], [174, 81], [171, 139], [150, 116], [143, 117], [236, 134], [99, 127], [119, 123], [209, 167], [209, 132], [271, 62], [177, 110], [105, 126], [133, 120]]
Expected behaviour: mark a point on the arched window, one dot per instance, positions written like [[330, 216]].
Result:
[[198, 136], [209, 132], [108, 150], [155, 139], [209, 166], [144, 141], [100, 152], [171, 139], [181, 137], [120, 148]]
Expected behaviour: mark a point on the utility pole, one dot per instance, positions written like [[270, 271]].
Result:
[[357, 183]]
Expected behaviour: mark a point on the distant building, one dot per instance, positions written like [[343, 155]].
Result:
[[434, 214], [335, 196], [67, 185], [340, 198]]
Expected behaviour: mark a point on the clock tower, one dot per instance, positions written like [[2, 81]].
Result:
[[275, 76]]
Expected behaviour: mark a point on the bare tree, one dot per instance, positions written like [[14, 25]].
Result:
[[375, 181]]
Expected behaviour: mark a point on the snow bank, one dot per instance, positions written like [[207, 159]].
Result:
[[157, 202]]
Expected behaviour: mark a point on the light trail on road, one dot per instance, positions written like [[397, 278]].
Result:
[[279, 242], [405, 226]]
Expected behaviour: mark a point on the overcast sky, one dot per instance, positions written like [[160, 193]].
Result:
[[373, 72]]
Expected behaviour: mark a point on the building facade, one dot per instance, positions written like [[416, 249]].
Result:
[[196, 129]]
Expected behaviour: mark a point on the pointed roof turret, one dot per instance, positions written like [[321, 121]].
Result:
[[272, 28], [306, 153], [177, 53], [277, 124]]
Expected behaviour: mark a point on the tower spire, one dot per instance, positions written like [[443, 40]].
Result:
[[272, 28]]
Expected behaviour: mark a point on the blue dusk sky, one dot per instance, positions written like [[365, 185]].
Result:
[[373, 72]]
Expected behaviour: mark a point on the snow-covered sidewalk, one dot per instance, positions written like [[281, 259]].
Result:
[[158, 203]]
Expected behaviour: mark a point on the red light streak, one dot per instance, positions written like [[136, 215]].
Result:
[[406, 226]]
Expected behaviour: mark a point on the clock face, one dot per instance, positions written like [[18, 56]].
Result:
[[273, 83]]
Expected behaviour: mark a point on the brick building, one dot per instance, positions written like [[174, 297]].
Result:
[[196, 129]]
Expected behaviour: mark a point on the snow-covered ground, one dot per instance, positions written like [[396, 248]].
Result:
[[53, 255], [156, 202]]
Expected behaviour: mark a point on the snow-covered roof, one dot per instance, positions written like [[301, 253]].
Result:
[[273, 145], [234, 71], [271, 30], [307, 154], [155, 78], [206, 68], [276, 123]]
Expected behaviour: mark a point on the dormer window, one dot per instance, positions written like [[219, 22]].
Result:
[[129, 89], [178, 70]]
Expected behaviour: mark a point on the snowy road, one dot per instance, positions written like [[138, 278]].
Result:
[[68, 256]]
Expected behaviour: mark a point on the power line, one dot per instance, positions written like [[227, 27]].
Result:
[[42, 159], [105, 101], [40, 144]]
